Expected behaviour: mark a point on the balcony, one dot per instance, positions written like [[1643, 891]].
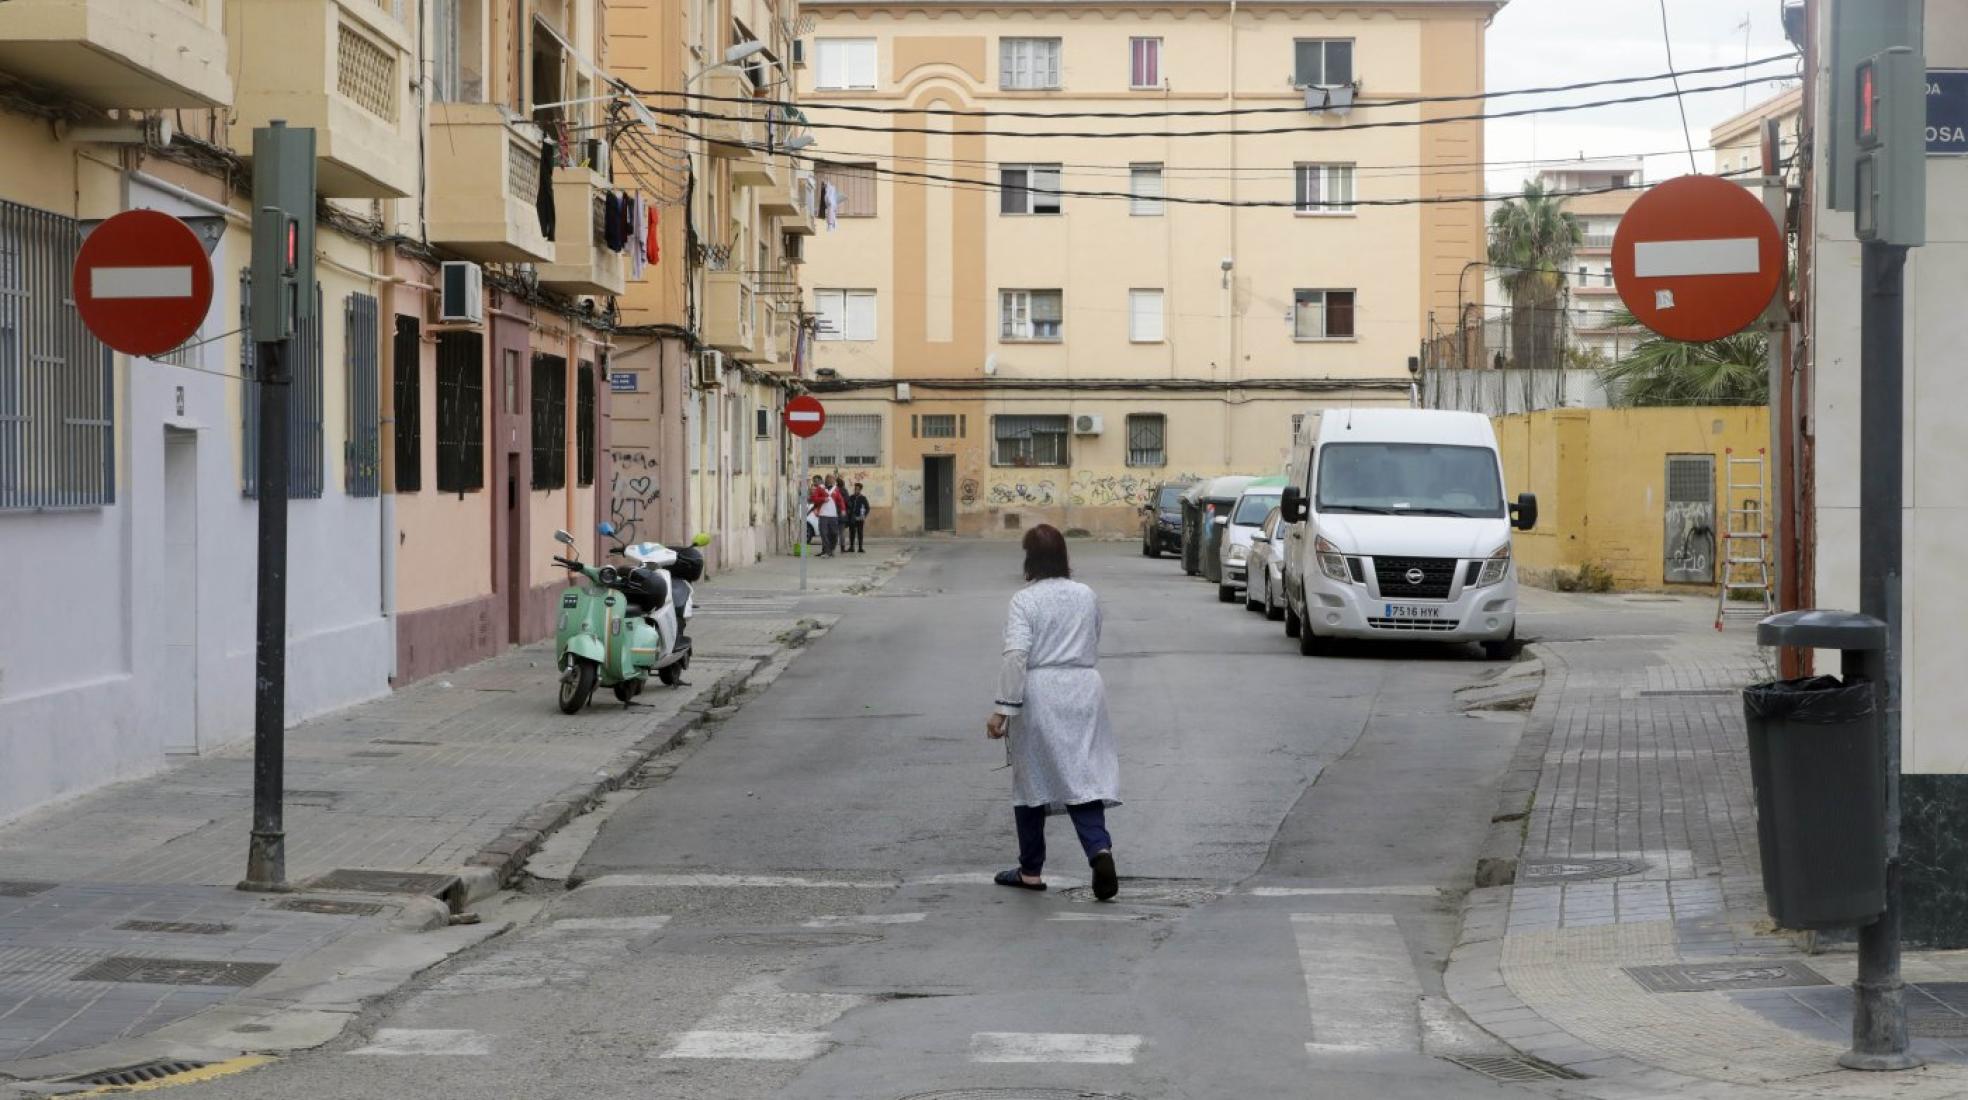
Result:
[[1596, 242], [582, 263], [485, 183], [731, 313], [805, 199], [342, 67], [739, 126], [119, 53]]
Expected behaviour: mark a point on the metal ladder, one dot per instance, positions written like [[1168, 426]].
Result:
[[1745, 540]]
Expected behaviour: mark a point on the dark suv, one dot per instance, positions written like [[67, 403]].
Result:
[[1161, 519]]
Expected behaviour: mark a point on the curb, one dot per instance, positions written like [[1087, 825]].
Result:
[[1503, 846]]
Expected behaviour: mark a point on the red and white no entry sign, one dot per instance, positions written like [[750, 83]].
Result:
[[805, 416], [1697, 258], [142, 282]]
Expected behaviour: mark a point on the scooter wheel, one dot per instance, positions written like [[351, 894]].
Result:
[[577, 686], [627, 690], [671, 674]]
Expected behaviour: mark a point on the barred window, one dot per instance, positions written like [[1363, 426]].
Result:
[[939, 426], [1147, 438], [584, 425], [407, 411], [460, 412], [57, 390], [847, 441], [549, 422], [1028, 440], [362, 449], [305, 446], [854, 186]]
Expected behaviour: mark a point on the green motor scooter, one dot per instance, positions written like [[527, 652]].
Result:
[[619, 627]]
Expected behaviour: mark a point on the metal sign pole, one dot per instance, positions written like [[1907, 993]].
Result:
[[266, 857]]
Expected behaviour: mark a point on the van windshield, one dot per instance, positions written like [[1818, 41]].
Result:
[[1421, 479], [1252, 509]]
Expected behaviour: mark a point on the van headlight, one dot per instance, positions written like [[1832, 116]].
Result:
[[1495, 568], [1331, 562]]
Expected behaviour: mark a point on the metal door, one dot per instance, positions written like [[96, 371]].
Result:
[[939, 492], [1688, 546]]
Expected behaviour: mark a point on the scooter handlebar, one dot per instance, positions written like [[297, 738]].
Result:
[[567, 563]]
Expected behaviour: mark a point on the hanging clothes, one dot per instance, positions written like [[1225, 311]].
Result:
[[655, 235], [544, 204], [637, 257], [615, 225], [830, 200]]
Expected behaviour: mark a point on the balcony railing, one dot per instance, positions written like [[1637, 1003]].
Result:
[[731, 312]]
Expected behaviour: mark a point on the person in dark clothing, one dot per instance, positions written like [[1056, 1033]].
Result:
[[857, 521]]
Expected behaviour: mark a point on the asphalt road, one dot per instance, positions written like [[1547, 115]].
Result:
[[802, 910]]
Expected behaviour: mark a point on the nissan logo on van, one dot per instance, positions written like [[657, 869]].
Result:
[[1416, 576]]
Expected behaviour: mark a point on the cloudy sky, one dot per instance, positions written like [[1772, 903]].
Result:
[[1535, 43]]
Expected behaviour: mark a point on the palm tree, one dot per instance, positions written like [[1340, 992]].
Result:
[[1659, 371], [1532, 238]]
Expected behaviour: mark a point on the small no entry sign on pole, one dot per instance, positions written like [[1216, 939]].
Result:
[[805, 416], [1697, 258], [142, 282]]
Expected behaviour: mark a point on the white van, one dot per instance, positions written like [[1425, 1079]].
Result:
[[1399, 529]]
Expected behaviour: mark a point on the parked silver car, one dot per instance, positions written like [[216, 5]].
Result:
[[1265, 588]]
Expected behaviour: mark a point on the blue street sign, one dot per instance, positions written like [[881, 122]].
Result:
[[1947, 112], [622, 382]]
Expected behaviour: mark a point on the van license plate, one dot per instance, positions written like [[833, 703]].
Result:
[[1413, 611]]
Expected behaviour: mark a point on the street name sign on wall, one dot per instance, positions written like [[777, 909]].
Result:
[[1947, 112], [142, 282], [805, 416], [1697, 258]]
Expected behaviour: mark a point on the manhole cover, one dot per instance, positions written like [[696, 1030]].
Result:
[[136, 1075], [16, 889], [1016, 1094], [330, 908], [386, 882], [124, 968], [1138, 891], [1744, 974], [1515, 1067], [1538, 872], [175, 927], [798, 939]]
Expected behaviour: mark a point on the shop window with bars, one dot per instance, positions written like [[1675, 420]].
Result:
[[362, 448], [1029, 440], [584, 425], [306, 449], [407, 404], [460, 412], [549, 422], [57, 390], [849, 440], [1147, 440]]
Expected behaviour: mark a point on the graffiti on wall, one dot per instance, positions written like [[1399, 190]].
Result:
[[967, 491], [1034, 493], [1690, 542], [632, 493], [1119, 490]]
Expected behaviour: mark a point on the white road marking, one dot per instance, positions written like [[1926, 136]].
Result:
[[1030, 1046], [1360, 983], [751, 1046], [865, 918], [758, 1021], [985, 878], [1076, 917], [1343, 891], [139, 282], [1717, 256], [726, 881], [426, 1042], [610, 924]]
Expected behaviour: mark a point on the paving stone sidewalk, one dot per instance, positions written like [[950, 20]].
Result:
[[454, 776], [1634, 948]]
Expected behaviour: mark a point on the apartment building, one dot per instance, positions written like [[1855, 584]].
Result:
[[712, 340], [1737, 141], [997, 347], [449, 399]]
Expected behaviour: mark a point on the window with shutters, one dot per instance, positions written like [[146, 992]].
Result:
[[584, 425], [939, 426], [1322, 314], [735, 423], [460, 412], [1028, 63], [1144, 63], [1324, 189], [1322, 62], [845, 314], [1145, 190], [1029, 440], [1145, 316], [1147, 439], [854, 187], [1033, 315], [549, 407], [1028, 189], [407, 404], [762, 423], [306, 449], [847, 440], [362, 448], [841, 64], [57, 389]]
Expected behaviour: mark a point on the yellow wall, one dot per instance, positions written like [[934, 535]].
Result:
[[1600, 478]]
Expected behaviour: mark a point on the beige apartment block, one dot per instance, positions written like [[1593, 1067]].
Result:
[[994, 355]]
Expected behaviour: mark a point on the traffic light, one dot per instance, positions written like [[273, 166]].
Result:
[[1857, 30], [283, 231], [1889, 135]]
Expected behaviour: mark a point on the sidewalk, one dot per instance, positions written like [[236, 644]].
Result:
[[118, 914], [1634, 948]]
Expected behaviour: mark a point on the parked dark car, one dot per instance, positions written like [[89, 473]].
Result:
[[1161, 520]]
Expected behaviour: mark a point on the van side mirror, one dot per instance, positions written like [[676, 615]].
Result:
[[1524, 513], [1293, 505]]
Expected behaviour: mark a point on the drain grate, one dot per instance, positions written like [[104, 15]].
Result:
[[330, 908], [1538, 872], [175, 927], [1515, 1068], [386, 882], [136, 1075], [1016, 1094], [17, 889], [1175, 893], [1743, 974], [126, 968], [798, 939]]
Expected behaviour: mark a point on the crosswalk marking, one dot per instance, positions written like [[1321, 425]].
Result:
[[751, 1046], [1079, 917], [440, 1042], [758, 1021], [610, 924], [865, 918], [1360, 983], [1343, 891], [1031, 1046], [707, 881], [986, 878]]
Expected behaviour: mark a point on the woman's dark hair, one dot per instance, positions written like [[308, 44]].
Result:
[[1045, 554]]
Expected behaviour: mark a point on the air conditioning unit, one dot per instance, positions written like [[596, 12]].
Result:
[[461, 293], [902, 391], [710, 366], [799, 53], [1087, 424], [795, 250]]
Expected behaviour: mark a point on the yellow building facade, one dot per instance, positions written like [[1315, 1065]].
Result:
[[1021, 329]]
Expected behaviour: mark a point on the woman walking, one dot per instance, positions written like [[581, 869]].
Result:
[[1062, 744]]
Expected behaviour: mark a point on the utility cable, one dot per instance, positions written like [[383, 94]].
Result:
[[1686, 134]]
